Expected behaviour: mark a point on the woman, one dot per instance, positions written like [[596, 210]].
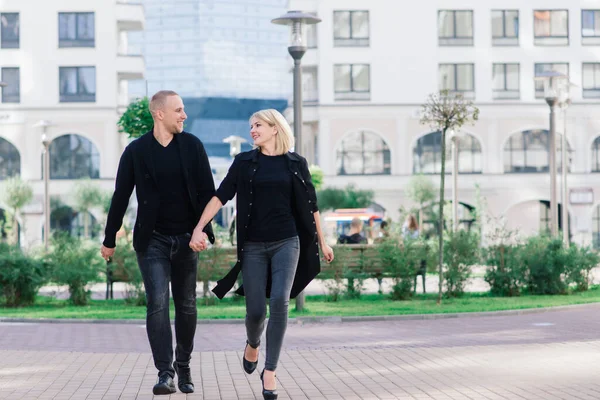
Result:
[[278, 235], [410, 231]]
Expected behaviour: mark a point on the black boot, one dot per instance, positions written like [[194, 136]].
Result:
[[184, 378], [165, 385]]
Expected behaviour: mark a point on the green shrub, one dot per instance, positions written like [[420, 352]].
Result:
[[333, 276], [461, 251], [505, 272], [400, 262], [543, 257], [579, 262], [21, 276], [75, 263], [124, 268]]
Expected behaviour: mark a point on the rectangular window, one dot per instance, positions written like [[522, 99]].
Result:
[[76, 29], [505, 27], [77, 84], [551, 27], [505, 81], [591, 80], [457, 78], [11, 93], [9, 30], [352, 81], [350, 28], [310, 86], [590, 27], [455, 28], [563, 68]]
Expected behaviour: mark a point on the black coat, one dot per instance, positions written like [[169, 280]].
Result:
[[304, 204], [136, 168]]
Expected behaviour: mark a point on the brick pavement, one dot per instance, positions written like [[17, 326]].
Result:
[[552, 355]]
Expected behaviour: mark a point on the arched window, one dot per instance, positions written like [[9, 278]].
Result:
[[10, 160], [73, 157], [427, 155], [596, 155], [363, 153], [528, 151], [64, 218]]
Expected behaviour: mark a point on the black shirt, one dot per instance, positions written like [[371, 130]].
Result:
[[175, 214], [356, 238], [271, 218]]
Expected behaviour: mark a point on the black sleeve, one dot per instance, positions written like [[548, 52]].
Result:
[[206, 188], [312, 193], [228, 187], [120, 200]]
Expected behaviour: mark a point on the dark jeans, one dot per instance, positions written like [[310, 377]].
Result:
[[170, 258], [279, 259]]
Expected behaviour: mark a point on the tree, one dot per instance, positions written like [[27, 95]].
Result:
[[17, 193], [87, 196], [350, 197], [445, 111], [420, 189], [137, 119], [316, 174]]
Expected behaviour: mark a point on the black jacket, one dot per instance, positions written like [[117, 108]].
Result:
[[136, 168], [304, 204]]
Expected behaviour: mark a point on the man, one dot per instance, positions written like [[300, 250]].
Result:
[[354, 236], [170, 171]]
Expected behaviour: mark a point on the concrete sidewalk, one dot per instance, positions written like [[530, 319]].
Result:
[[535, 356]]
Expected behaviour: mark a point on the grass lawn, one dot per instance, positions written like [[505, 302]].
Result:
[[47, 307]]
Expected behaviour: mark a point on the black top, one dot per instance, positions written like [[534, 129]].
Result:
[[175, 213], [356, 238], [137, 170], [271, 217]]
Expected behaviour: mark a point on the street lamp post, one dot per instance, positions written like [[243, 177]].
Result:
[[46, 144], [454, 138], [297, 20], [552, 81], [564, 102], [235, 144]]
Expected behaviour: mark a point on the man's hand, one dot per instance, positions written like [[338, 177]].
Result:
[[198, 240], [327, 252], [107, 253]]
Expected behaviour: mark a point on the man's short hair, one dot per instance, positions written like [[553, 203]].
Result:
[[159, 99], [356, 223]]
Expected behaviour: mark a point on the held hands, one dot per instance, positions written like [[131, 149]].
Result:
[[198, 240], [327, 252], [106, 253]]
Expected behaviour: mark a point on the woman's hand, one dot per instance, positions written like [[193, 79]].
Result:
[[327, 252], [198, 240]]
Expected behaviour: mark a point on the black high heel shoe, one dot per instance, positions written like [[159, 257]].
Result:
[[249, 366], [267, 394]]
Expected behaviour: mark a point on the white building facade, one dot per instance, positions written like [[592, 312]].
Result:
[[370, 66], [64, 62]]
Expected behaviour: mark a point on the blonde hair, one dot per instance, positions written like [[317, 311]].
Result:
[[284, 140], [159, 100]]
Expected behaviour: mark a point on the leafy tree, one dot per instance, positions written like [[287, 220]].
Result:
[[317, 176], [87, 196], [420, 189], [445, 111], [17, 193], [350, 197], [137, 119]]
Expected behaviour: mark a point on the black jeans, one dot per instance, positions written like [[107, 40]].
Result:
[[170, 258], [279, 259]]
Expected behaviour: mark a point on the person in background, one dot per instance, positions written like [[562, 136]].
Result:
[[410, 231], [355, 235]]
